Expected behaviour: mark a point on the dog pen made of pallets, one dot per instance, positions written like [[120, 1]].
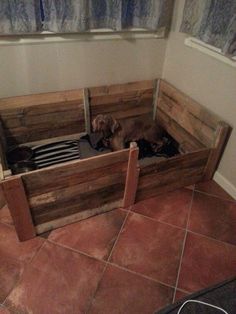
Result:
[[45, 199]]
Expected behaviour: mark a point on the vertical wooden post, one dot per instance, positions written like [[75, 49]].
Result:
[[87, 111], [15, 196], [222, 133], [132, 176], [155, 97]]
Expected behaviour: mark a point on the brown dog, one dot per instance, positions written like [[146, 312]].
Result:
[[130, 130]]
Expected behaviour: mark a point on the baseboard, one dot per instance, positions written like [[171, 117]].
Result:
[[225, 184]]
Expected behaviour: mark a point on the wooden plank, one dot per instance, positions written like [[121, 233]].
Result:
[[177, 132], [132, 176], [222, 133], [41, 99], [173, 173], [51, 225], [71, 172], [38, 133], [155, 97], [87, 111], [177, 162], [190, 123], [191, 116], [123, 106], [37, 117], [15, 196], [81, 203], [155, 190], [122, 98], [194, 108], [58, 195], [120, 88]]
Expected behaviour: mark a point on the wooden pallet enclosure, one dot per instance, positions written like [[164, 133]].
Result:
[[46, 199]]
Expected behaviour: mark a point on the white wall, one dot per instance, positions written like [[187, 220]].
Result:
[[26, 69], [207, 80]]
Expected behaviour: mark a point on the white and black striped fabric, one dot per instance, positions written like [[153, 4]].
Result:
[[55, 153]]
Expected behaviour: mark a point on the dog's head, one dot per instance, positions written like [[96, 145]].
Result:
[[105, 124]]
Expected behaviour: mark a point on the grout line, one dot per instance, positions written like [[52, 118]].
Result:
[[24, 270], [210, 238], [140, 275], [8, 225], [183, 247], [156, 220], [212, 195], [107, 262], [75, 250]]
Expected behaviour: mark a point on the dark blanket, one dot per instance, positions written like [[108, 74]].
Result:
[[222, 295]]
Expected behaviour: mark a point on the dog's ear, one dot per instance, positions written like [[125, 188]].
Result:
[[98, 123], [114, 125]]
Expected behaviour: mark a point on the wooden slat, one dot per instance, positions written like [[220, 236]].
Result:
[[87, 111], [121, 107], [81, 203], [172, 173], [123, 101], [58, 195], [127, 96], [177, 131], [41, 99], [155, 190], [41, 228], [120, 88], [155, 97], [132, 176], [70, 173], [14, 193], [193, 107], [221, 137], [43, 116], [38, 133], [191, 116]]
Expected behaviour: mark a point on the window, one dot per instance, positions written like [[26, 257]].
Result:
[[212, 22]]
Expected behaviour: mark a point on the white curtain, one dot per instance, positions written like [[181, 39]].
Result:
[[213, 22], [19, 16], [81, 15]]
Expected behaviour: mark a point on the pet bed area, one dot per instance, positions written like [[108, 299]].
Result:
[[70, 176]]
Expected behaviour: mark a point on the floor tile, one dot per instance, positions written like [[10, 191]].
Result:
[[123, 292], [5, 216], [211, 187], [3, 310], [57, 281], [14, 255], [150, 248], [213, 217], [180, 295], [94, 236], [170, 207], [206, 262]]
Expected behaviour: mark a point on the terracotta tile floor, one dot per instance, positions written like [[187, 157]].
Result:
[[124, 261]]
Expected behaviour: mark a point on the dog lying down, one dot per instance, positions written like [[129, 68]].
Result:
[[131, 130]]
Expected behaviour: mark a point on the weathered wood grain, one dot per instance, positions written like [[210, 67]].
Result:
[[169, 174], [177, 131], [222, 133], [41, 228], [74, 172], [132, 176], [43, 116], [120, 88], [17, 202], [122, 101], [191, 116], [81, 203]]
